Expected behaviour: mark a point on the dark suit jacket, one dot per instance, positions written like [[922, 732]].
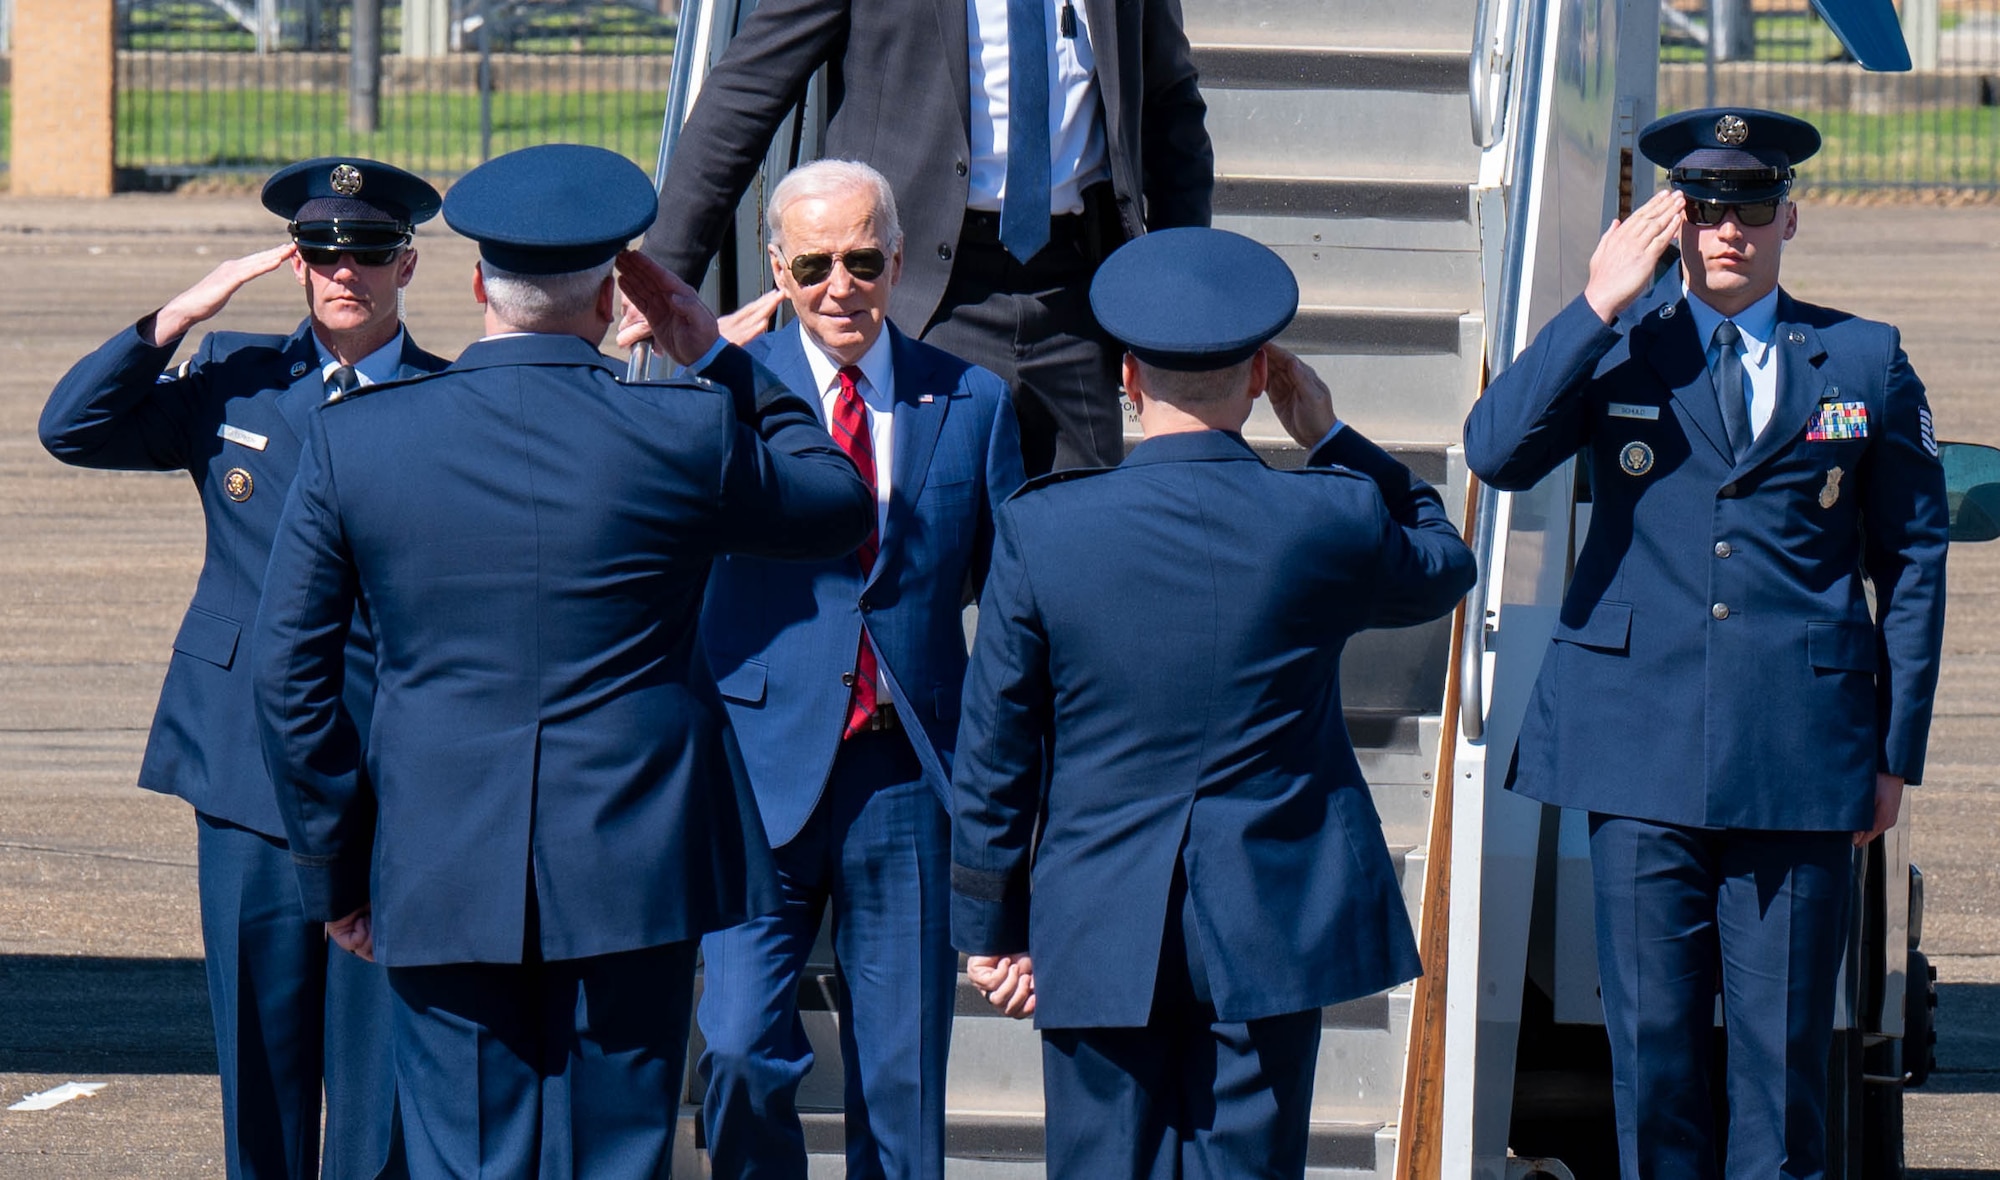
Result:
[[116, 409], [532, 537], [1157, 678], [780, 633], [1778, 715], [891, 62]]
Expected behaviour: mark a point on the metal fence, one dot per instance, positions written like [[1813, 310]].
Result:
[[244, 86], [1934, 129]]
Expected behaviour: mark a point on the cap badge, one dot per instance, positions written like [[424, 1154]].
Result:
[[237, 484], [1636, 458], [1830, 494], [346, 178], [1731, 130]]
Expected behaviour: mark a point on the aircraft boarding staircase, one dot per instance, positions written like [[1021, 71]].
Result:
[[1341, 140]]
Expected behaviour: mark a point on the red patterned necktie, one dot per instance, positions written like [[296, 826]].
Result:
[[850, 430]]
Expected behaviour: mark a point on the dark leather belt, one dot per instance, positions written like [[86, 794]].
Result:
[[983, 226]]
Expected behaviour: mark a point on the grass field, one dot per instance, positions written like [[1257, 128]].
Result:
[[1939, 147], [586, 28], [433, 134]]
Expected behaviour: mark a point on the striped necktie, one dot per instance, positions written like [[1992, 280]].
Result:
[[850, 430]]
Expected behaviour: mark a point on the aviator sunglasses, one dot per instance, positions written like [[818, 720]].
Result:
[[363, 256], [1750, 215], [810, 270]]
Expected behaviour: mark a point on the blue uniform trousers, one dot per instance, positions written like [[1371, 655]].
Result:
[[1187, 1096], [560, 1069], [1763, 913], [878, 849], [288, 1012]]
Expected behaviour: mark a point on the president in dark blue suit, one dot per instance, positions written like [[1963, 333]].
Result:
[[843, 679], [288, 1017], [1719, 695], [1162, 845], [555, 808]]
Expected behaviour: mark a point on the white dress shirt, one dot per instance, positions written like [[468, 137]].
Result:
[[381, 365], [1076, 133], [1759, 325]]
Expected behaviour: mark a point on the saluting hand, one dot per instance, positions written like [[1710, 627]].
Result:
[[209, 296], [665, 307], [354, 934], [1007, 982], [1623, 265], [1302, 402]]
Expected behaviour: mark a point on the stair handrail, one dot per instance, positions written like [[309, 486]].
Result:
[[680, 95], [1490, 68]]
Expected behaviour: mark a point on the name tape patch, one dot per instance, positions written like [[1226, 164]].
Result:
[[248, 438], [1624, 410]]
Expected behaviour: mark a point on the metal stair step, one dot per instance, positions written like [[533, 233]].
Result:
[[1396, 24], [1383, 134], [1291, 66], [1248, 195]]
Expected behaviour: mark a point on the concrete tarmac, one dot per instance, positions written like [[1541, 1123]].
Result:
[[100, 946]]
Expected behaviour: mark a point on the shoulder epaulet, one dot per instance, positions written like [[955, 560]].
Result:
[[1066, 475], [681, 382]]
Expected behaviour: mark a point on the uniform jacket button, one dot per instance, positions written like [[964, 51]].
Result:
[[847, 680], [867, 606], [1728, 490], [1720, 610], [1722, 549]]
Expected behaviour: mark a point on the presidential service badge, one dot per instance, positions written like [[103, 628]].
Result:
[[346, 180], [1636, 458], [237, 484], [1731, 130], [1830, 494]]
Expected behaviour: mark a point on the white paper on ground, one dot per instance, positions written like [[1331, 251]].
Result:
[[58, 1096]]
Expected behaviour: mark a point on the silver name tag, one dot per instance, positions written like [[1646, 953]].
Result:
[[1622, 410], [248, 438]]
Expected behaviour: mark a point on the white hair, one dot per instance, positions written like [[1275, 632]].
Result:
[[827, 179], [530, 302]]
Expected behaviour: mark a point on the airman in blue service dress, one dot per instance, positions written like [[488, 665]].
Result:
[[1718, 694], [1156, 799], [287, 1014], [555, 807]]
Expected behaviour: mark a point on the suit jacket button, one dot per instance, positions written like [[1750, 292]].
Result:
[[1722, 549], [866, 606], [944, 251], [1720, 610], [959, 167], [847, 680], [1728, 490]]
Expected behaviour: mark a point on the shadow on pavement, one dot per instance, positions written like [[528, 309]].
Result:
[[1968, 1030], [85, 1015]]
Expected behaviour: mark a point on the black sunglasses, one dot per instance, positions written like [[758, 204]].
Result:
[[1750, 215], [810, 270], [362, 256]]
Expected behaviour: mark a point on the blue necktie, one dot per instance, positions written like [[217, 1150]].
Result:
[[1024, 212], [1729, 387]]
